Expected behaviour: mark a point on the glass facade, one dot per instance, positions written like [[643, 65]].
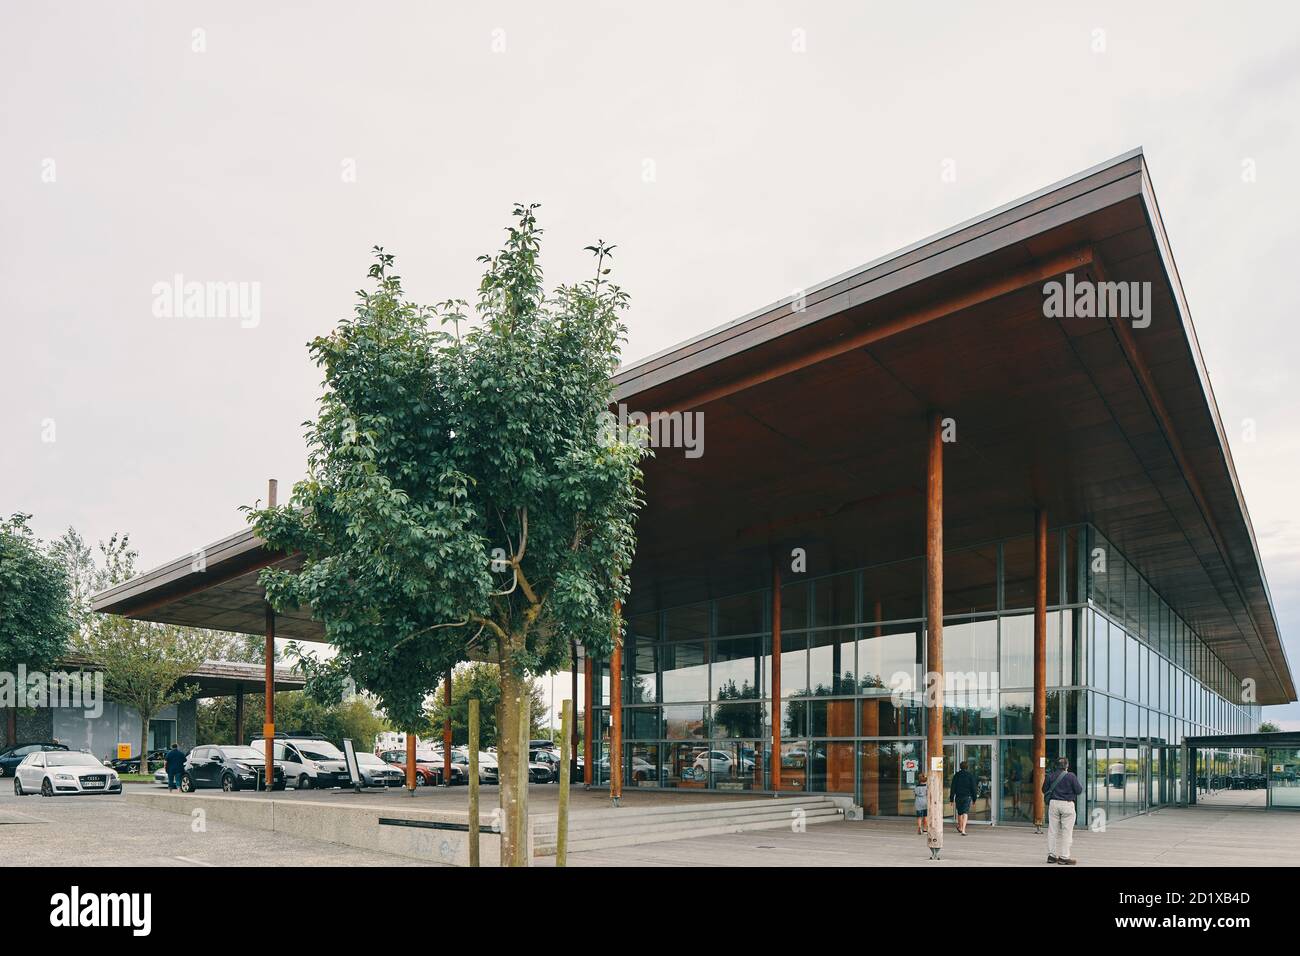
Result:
[[1127, 680]]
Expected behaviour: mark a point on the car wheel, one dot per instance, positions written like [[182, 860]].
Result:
[[187, 783], [420, 781], [18, 787], [229, 783], [47, 789], [304, 782]]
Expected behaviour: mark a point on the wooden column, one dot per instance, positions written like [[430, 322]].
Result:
[[934, 683], [410, 762], [1040, 662], [616, 713], [239, 713], [776, 675], [268, 688], [588, 742], [268, 725], [573, 723], [446, 730]]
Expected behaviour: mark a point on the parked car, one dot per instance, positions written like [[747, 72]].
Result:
[[11, 757], [160, 776], [426, 774], [549, 759], [51, 772], [132, 764], [722, 763], [231, 768], [488, 771], [377, 773], [309, 760]]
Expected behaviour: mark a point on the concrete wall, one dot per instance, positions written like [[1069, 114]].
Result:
[[350, 824], [117, 724]]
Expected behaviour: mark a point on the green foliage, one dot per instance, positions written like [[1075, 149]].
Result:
[[484, 682], [462, 497], [35, 614], [1268, 727], [294, 710]]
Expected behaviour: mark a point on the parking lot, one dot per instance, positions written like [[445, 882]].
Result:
[[110, 830]]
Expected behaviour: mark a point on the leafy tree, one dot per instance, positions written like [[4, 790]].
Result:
[[481, 680], [465, 491], [1268, 727], [143, 662], [35, 620], [354, 718]]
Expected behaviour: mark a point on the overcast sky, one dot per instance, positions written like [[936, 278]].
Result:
[[734, 152]]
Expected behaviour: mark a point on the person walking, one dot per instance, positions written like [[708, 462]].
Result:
[[922, 792], [1061, 789], [174, 761], [962, 794]]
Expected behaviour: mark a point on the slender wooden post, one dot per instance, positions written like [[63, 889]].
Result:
[[268, 723], [521, 787], [934, 633], [446, 730], [775, 762], [239, 713], [562, 815], [572, 769], [616, 713], [473, 782], [1040, 662], [410, 763], [588, 731]]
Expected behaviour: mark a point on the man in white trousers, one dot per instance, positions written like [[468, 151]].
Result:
[[1061, 788]]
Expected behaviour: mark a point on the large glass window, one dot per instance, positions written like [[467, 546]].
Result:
[[1017, 650], [742, 614], [889, 656], [685, 671], [888, 774], [738, 669], [892, 592], [970, 580], [831, 662], [835, 600]]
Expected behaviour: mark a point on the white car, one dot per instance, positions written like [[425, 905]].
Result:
[[64, 771], [722, 763], [309, 760], [488, 771]]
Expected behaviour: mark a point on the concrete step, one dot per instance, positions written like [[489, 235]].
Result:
[[695, 830], [623, 817], [626, 827]]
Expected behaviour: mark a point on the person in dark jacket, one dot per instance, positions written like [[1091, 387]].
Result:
[[962, 792], [1061, 788], [174, 761]]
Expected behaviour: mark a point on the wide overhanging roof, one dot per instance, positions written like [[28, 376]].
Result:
[[815, 432], [217, 678], [815, 410], [217, 588]]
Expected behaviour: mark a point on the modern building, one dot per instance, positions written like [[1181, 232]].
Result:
[[101, 733], [993, 456]]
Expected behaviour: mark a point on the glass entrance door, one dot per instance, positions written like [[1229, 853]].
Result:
[[978, 756]]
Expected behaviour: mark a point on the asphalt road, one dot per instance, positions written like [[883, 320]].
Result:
[[107, 830]]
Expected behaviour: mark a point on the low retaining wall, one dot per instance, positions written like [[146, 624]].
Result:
[[439, 836]]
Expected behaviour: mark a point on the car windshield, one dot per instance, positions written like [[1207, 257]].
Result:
[[320, 750], [67, 759], [369, 760], [242, 753]]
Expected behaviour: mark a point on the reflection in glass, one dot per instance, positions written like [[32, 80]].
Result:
[[831, 662]]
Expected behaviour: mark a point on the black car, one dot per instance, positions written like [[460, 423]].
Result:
[[132, 764], [234, 767], [11, 757]]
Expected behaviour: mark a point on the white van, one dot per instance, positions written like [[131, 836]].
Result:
[[309, 760]]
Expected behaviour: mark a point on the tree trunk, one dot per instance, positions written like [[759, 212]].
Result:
[[144, 744], [11, 726], [513, 845]]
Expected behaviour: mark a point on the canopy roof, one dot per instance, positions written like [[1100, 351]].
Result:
[[815, 412]]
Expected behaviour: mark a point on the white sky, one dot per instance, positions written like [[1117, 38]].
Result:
[[730, 167]]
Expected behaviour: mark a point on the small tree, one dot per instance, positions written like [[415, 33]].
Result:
[[34, 613], [143, 663], [464, 495], [484, 682]]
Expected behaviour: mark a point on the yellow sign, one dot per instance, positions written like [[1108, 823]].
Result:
[[123, 751]]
